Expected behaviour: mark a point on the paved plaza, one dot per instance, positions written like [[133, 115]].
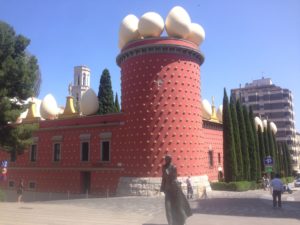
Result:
[[226, 208]]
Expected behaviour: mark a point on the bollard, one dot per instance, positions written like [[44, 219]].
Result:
[[87, 193], [107, 192], [68, 194]]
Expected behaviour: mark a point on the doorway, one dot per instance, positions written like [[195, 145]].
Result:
[[85, 182]]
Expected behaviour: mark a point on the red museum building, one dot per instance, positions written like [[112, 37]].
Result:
[[124, 152]]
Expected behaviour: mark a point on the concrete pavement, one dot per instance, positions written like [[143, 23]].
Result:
[[226, 208]]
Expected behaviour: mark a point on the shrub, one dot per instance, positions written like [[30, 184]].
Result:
[[1, 196], [287, 179], [235, 186]]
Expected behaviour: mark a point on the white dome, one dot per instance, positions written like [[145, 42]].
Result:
[[220, 113], [206, 109], [273, 127], [128, 30], [258, 122], [178, 22], [151, 24], [48, 108], [89, 103], [265, 124], [197, 34]]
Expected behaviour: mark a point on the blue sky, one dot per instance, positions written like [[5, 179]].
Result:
[[245, 40]]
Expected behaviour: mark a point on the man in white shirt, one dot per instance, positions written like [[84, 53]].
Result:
[[277, 187]]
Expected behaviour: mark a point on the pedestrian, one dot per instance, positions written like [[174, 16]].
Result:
[[277, 187], [20, 190], [189, 188], [176, 205]]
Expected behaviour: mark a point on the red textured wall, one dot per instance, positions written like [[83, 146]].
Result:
[[162, 119]]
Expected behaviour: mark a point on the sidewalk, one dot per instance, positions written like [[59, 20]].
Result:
[[226, 208]]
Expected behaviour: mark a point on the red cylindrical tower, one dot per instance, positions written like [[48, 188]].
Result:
[[162, 102]]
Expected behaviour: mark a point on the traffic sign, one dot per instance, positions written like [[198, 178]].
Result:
[[268, 160], [268, 169]]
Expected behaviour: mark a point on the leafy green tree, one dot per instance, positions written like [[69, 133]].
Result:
[[19, 79], [251, 145], [230, 164], [117, 105], [244, 141], [105, 94], [272, 150], [261, 148], [237, 139]]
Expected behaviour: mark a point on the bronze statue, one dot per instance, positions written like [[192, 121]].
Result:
[[176, 204]]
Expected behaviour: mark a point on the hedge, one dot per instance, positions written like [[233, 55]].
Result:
[[235, 186]]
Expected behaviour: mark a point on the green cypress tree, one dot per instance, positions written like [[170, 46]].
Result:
[[105, 94], [266, 142], [237, 139], [117, 105], [256, 150], [244, 141], [288, 160], [272, 147], [280, 159], [251, 145], [284, 159], [276, 156], [230, 164], [261, 148]]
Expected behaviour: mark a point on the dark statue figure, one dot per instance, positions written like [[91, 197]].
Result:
[[177, 206]]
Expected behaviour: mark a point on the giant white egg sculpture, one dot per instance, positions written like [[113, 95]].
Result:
[[273, 127], [89, 104], [206, 109], [197, 34], [178, 22], [128, 30], [220, 113], [265, 124], [151, 24], [48, 108], [258, 123]]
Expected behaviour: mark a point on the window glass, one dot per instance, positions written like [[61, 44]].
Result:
[[105, 151]]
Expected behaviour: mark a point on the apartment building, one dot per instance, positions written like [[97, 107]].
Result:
[[273, 103]]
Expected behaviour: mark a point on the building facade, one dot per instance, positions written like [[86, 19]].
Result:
[[124, 152], [273, 103]]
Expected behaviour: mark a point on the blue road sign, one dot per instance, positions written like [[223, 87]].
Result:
[[268, 160]]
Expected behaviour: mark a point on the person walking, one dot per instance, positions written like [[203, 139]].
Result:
[[20, 190], [277, 187], [176, 205], [189, 188]]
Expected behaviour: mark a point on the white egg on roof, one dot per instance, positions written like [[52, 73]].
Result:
[[48, 108], [128, 30], [265, 124], [151, 24], [273, 127], [258, 122], [220, 113], [206, 109], [178, 22], [89, 104], [197, 34]]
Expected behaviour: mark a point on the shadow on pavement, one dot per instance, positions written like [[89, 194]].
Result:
[[249, 207]]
